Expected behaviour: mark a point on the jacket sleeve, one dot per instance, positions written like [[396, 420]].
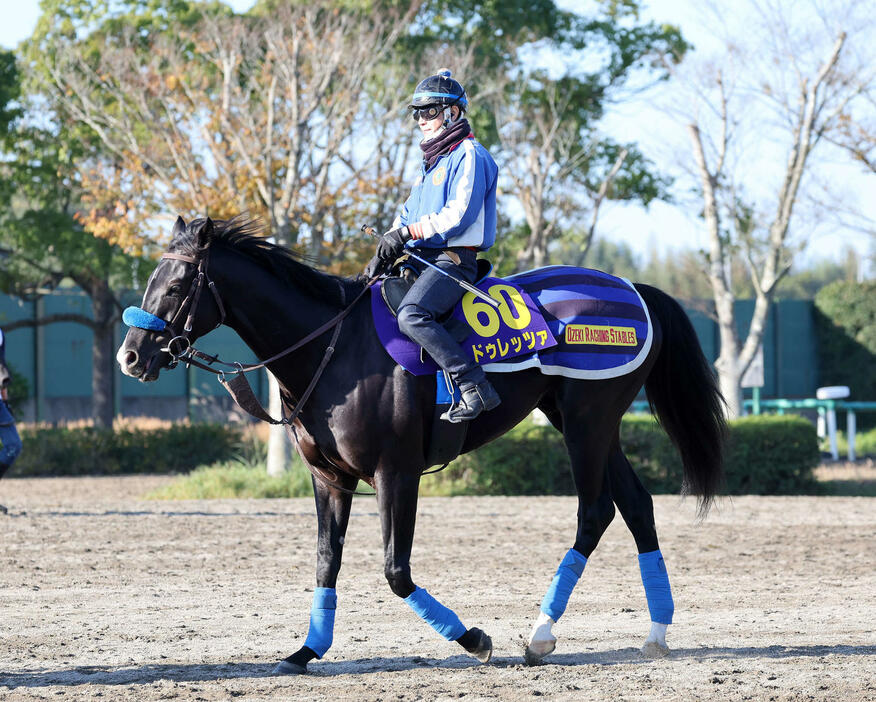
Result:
[[466, 198]]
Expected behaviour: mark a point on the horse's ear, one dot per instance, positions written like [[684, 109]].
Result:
[[205, 233], [179, 227]]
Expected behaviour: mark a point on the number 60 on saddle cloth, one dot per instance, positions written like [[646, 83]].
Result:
[[575, 322]]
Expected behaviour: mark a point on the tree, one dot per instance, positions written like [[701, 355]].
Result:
[[213, 112], [40, 199], [791, 89], [559, 165]]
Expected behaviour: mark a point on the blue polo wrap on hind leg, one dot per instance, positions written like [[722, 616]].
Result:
[[322, 620], [567, 576], [657, 590], [435, 614]]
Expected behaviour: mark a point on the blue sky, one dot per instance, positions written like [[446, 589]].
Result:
[[664, 227]]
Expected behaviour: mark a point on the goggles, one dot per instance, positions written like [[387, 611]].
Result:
[[429, 112]]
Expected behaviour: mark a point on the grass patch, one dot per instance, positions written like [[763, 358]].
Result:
[[847, 479], [234, 479]]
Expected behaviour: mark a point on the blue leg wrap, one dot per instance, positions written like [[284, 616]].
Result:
[[568, 573], [435, 614], [322, 620], [657, 590]]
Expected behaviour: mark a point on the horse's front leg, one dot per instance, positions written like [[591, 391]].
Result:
[[333, 514], [397, 501]]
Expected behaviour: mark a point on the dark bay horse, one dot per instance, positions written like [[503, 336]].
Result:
[[369, 419]]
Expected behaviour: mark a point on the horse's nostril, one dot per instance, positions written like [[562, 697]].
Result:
[[131, 358]]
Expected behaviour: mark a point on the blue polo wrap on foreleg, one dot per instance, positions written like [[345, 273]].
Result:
[[567, 576], [657, 590], [435, 614], [322, 620]]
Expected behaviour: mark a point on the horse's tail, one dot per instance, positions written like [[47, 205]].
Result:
[[684, 396]]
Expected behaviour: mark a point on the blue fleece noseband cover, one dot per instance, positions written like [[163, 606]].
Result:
[[435, 614], [322, 620], [136, 317], [657, 590], [567, 576]]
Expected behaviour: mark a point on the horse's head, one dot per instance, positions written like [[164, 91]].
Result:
[[177, 307]]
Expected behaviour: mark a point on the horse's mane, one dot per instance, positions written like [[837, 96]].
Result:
[[245, 235]]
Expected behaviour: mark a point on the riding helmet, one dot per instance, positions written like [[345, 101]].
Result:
[[439, 89]]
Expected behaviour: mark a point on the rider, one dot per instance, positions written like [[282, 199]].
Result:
[[10, 443], [449, 216]]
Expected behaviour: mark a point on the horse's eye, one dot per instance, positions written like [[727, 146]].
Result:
[[174, 291]]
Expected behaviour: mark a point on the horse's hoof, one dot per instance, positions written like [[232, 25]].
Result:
[[483, 649], [654, 649], [537, 651], [287, 668]]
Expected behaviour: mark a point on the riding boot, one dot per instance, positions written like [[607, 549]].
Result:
[[476, 398]]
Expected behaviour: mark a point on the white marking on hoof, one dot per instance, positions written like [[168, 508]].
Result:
[[541, 641], [655, 645], [287, 668]]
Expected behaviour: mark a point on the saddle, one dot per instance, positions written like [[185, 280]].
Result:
[[396, 286]]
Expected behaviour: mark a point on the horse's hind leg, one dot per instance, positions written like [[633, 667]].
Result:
[[397, 501], [587, 452], [637, 509]]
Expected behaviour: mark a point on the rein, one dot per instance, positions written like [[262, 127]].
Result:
[[180, 348]]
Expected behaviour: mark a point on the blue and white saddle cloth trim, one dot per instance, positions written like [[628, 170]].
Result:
[[578, 300]]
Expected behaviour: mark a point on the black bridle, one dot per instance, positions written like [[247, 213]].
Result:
[[183, 344]]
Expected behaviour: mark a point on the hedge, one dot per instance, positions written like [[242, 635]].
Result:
[[766, 455], [90, 451]]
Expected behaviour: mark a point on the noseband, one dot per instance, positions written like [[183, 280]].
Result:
[[180, 344]]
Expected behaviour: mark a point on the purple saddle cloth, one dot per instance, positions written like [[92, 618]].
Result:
[[563, 320]]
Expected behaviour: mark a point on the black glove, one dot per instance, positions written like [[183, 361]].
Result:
[[392, 243], [376, 266]]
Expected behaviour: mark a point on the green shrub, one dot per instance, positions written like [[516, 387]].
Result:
[[771, 455], [528, 460], [766, 455], [91, 451]]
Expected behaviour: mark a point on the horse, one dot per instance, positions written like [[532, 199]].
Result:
[[366, 418]]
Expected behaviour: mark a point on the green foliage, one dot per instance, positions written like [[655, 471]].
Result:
[[91, 451], [10, 89], [766, 455], [18, 390], [528, 460], [845, 324], [771, 455], [865, 443], [234, 479]]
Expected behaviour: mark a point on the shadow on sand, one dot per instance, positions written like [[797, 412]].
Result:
[[147, 674]]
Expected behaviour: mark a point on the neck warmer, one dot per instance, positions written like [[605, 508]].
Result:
[[442, 144]]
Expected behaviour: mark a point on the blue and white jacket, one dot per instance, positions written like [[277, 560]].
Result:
[[455, 200]]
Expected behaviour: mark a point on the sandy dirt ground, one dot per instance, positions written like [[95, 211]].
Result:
[[108, 596]]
